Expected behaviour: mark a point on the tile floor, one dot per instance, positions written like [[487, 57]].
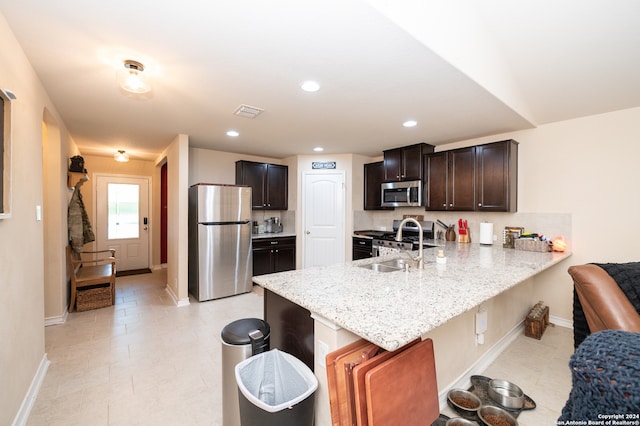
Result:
[[147, 362]]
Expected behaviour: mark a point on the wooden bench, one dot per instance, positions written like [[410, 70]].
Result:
[[94, 272]]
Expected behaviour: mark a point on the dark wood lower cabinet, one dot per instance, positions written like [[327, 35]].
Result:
[[271, 255], [362, 248], [291, 327]]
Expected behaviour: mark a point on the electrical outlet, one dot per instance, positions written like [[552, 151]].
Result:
[[481, 321]]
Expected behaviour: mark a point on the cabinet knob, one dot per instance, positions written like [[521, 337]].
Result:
[[451, 205], [479, 204], [274, 242], [444, 204]]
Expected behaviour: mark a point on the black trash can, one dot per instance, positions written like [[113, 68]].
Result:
[[241, 339], [275, 389]]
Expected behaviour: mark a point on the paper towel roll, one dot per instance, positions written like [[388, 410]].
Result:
[[486, 233]]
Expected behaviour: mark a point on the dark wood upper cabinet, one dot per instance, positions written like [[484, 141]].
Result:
[[450, 180], [373, 178], [476, 178], [405, 163], [436, 181], [269, 184], [497, 176]]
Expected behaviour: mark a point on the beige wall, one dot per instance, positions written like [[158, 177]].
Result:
[[587, 167], [96, 165], [210, 166], [575, 177], [22, 245], [176, 156]]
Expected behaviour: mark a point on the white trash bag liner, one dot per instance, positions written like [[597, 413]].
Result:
[[275, 380]]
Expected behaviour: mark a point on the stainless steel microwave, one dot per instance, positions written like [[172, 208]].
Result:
[[402, 194]]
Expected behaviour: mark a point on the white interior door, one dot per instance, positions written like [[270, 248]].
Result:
[[122, 219], [323, 212]]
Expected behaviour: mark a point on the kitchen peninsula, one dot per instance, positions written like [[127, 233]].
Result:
[[391, 309]]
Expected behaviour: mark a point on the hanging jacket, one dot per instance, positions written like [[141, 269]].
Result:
[[80, 232]]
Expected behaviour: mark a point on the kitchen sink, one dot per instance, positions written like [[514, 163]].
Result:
[[389, 265]]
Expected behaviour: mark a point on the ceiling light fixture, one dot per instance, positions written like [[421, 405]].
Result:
[[410, 123], [132, 78], [121, 156], [233, 133], [318, 149], [310, 86]]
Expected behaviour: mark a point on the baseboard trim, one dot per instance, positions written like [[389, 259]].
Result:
[[179, 302], [562, 322], [57, 320], [32, 393], [482, 363]]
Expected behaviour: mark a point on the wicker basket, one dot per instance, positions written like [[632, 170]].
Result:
[[537, 321], [532, 245], [94, 297]]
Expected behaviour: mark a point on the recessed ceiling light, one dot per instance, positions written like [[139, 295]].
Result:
[[233, 133], [310, 86], [410, 123], [318, 149]]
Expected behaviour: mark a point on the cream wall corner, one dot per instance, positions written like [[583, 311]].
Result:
[[176, 157], [22, 246]]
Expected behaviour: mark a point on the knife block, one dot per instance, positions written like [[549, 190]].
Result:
[[465, 238]]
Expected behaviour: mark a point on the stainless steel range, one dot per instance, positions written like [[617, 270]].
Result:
[[386, 243]]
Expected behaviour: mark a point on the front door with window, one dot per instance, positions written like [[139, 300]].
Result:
[[122, 219]]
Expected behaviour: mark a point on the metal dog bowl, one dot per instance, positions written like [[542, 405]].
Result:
[[487, 413], [464, 402], [460, 421], [506, 394]]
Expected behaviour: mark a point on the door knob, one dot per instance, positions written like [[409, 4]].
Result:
[[308, 232]]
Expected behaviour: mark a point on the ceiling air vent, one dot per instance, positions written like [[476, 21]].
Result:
[[248, 111]]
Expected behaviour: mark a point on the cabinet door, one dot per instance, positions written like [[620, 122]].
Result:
[[496, 176], [435, 186], [277, 193], [262, 261], [284, 259], [461, 191], [362, 248], [393, 164], [373, 177], [412, 162], [254, 175], [292, 328]]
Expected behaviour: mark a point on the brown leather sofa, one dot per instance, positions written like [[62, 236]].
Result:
[[604, 304]]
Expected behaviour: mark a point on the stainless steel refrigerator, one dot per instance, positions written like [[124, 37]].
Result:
[[220, 260]]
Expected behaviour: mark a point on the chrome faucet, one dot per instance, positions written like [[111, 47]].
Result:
[[420, 258]]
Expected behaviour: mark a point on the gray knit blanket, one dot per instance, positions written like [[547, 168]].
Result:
[[605, 380]]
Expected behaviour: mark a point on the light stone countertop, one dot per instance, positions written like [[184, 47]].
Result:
[[392, 309]]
